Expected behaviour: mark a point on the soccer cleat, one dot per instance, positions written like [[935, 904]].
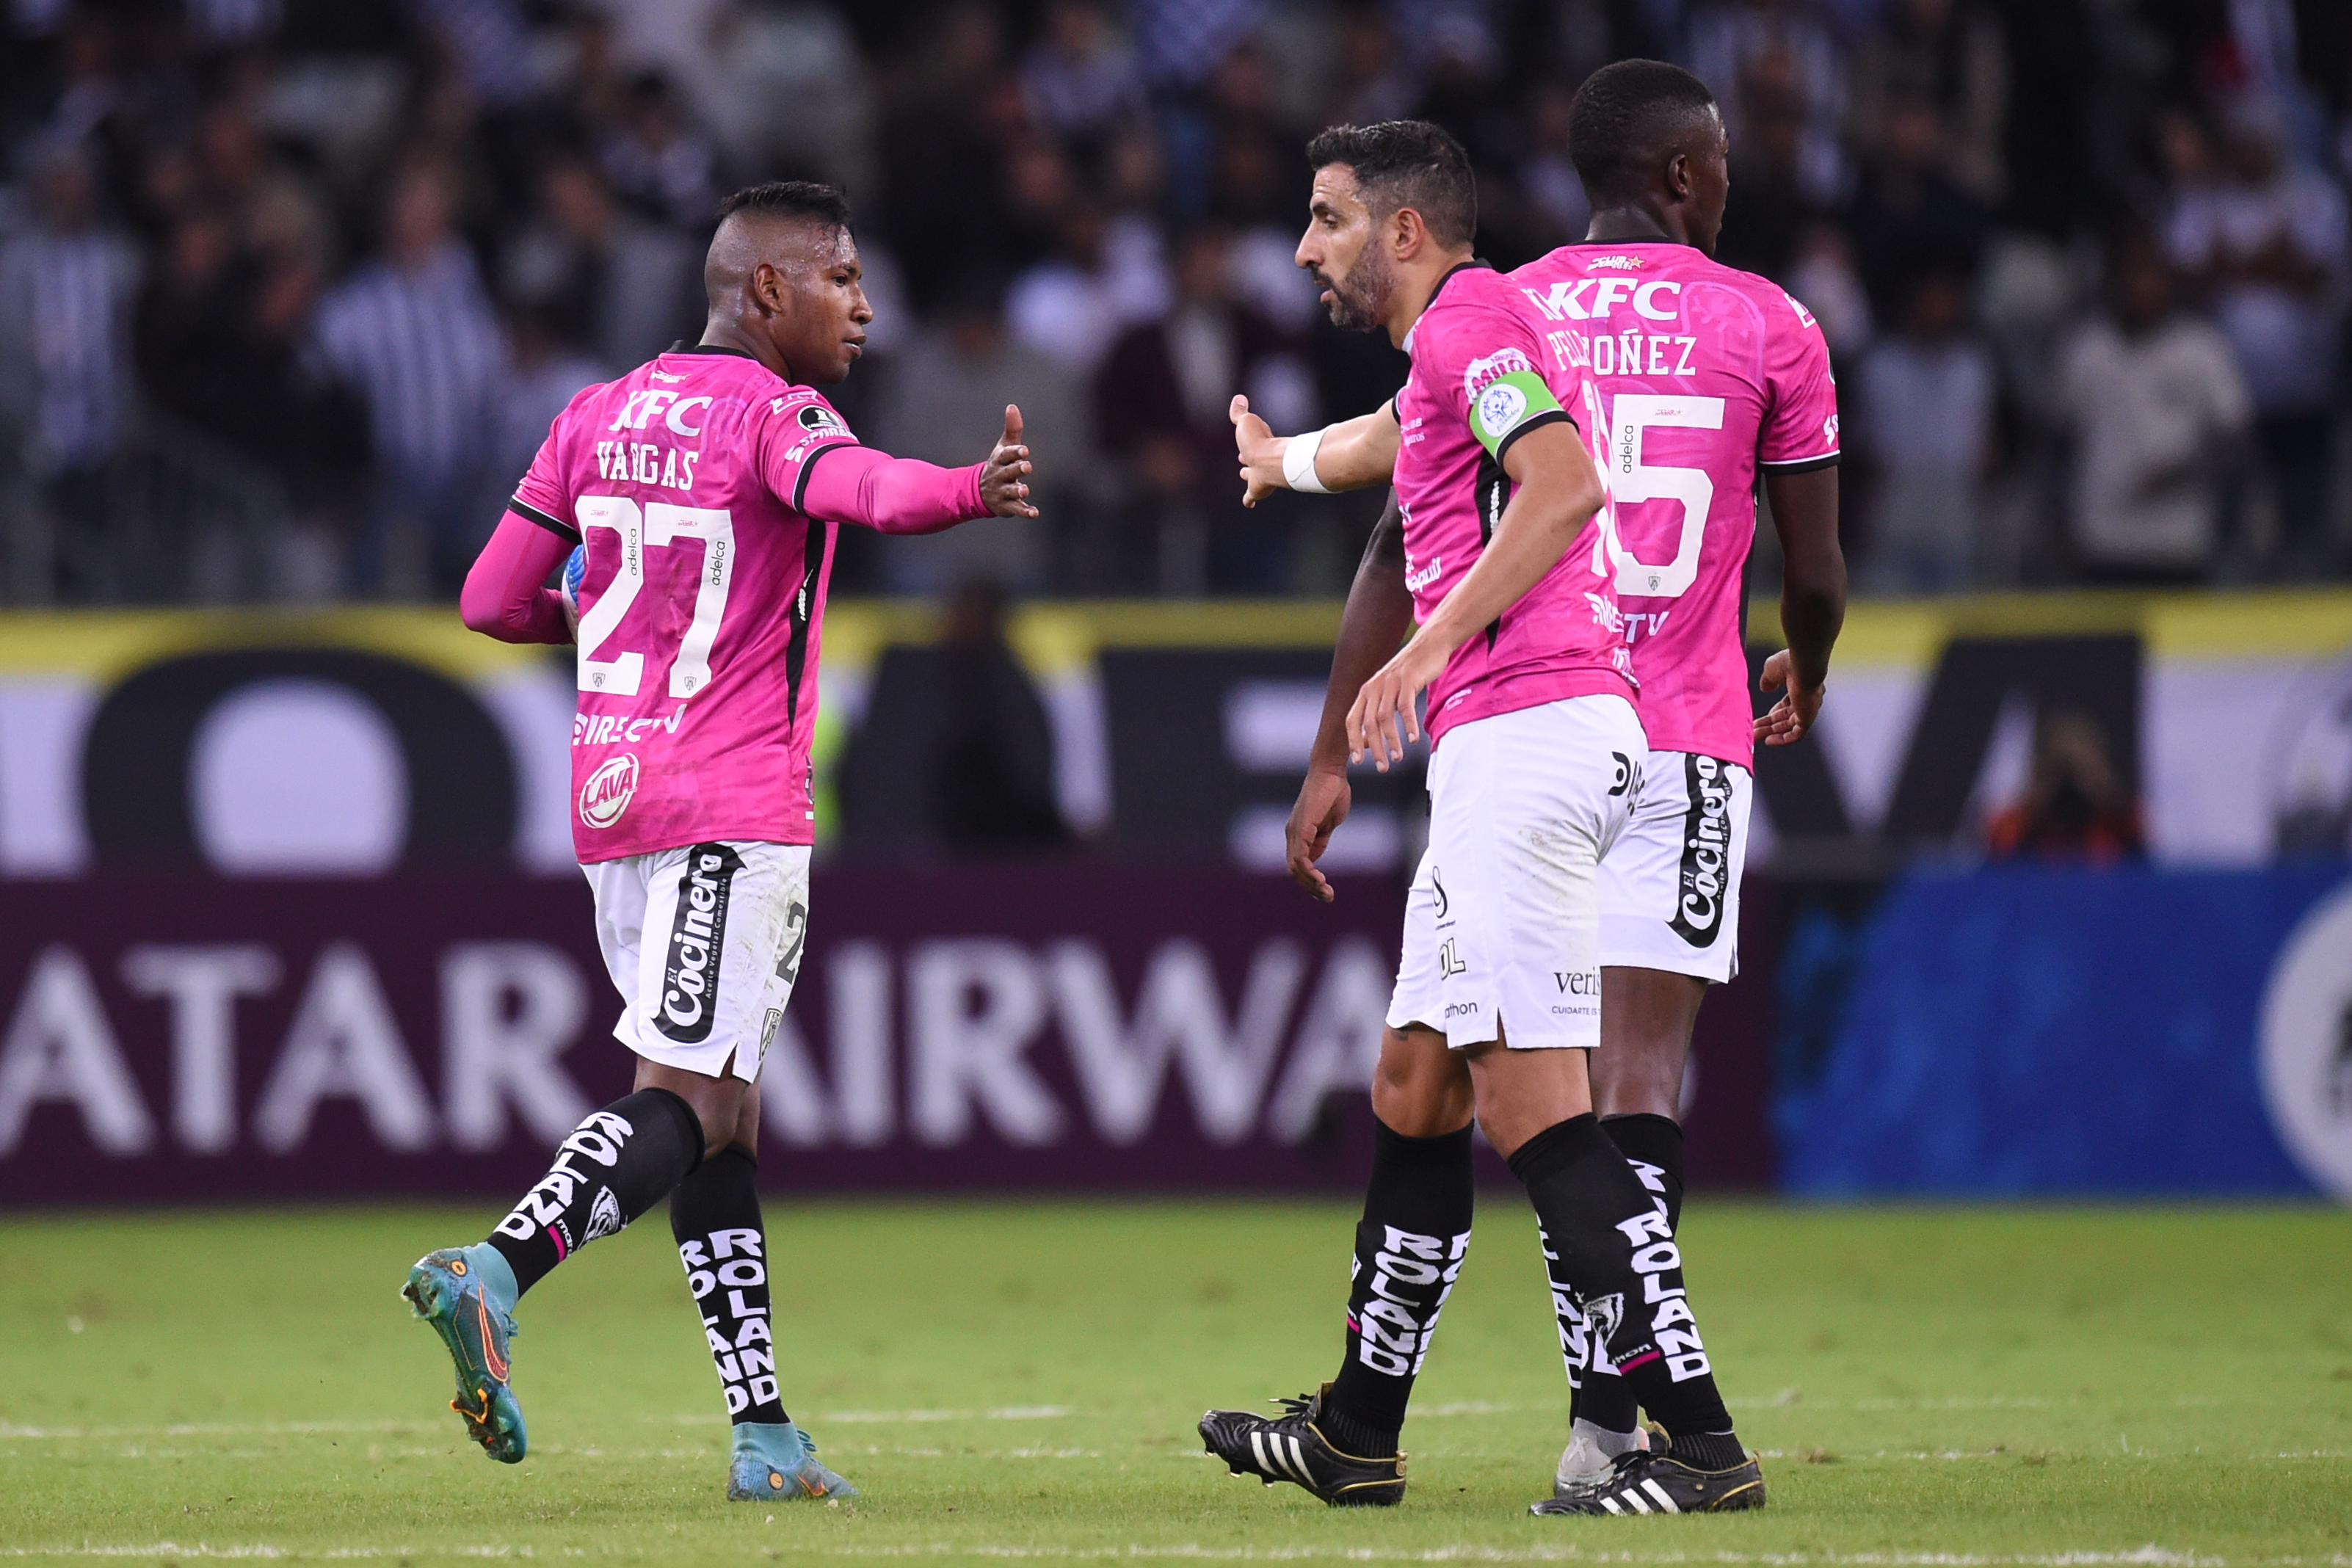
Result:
[[468, 1294], [775, 1461], [1585, 1463], [1651, 1480], [1292, 1447]]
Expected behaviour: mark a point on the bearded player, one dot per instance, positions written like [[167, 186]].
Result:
[[1695, 378], [1535, 761], [706, 486]]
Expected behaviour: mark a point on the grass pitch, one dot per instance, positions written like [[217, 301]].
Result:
[[1936, 1386]]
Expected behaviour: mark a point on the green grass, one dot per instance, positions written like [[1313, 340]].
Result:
[[1017, 1381]]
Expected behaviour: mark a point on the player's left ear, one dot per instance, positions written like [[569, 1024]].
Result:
[[1407, 234]]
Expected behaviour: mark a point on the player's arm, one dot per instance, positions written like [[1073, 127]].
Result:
[[848, 483], [1813, 600], [506, 595], [1557, 491], [1349, 455], [1379, 614]]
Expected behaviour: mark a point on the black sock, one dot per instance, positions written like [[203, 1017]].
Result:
[[1618, 1261], [615, 1165], [1409, 1248], [1652, 1145], [715, 1216]]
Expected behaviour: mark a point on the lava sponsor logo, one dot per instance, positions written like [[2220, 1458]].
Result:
[[736, 1330], [600, 1140], [1485, 373], [698, 939], [619, 728], [1412, 1275], [606, 793], [1418, 578], [1706, 852]]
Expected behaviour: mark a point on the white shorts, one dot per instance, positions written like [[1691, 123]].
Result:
[[1670, 888], [728, 921], [1502, 926]]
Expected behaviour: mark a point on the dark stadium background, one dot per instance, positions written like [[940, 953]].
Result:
[[2054, 903]]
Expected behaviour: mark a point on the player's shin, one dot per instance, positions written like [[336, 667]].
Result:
[[1409, 1249], [1602, 1405], [715, 1217], [1615, 1252], [615, 1166]]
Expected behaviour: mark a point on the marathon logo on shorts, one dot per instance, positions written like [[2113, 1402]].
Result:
[[1706, 852], [697, 935]]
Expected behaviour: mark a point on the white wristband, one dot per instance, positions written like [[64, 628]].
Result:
[[1298, 463]]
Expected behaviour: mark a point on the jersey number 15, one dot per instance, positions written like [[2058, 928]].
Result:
[[659, 524], [1630, 479]]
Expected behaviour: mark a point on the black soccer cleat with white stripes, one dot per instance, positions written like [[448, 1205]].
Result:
[[1652, 1481], [1292, 1447]]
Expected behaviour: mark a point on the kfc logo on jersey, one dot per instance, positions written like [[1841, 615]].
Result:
[[606, 793]]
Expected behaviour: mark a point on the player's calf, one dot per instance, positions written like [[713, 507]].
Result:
[[715, 1219]]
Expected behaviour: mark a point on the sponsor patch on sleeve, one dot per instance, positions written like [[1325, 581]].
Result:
[[1506, 392]]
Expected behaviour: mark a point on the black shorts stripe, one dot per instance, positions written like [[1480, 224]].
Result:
[[1802, 466], [554, 525]]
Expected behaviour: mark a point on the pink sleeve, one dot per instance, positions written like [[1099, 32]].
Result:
[[1800, 419], [503, 597], [892, 495]]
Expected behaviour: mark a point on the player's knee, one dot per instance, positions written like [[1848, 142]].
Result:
[[1420, 1094]]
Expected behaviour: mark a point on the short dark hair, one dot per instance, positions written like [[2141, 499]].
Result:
[[809, 199], [1618, 117], [1403, 163]]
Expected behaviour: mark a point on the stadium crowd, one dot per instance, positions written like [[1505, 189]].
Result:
[[289, 290]]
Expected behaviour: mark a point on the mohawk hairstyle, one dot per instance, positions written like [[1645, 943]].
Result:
[[806, 199], [1619, 119], [1403, 163]]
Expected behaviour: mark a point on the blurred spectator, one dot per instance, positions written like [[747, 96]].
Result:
[[955, 750], [623, 290], [784, 90], [1945, 54], [1732, 41], [66, 291], [1777, 191], [2074, 805], [2156, 402], [1070, 306], [1161, 403], [944, 403], [1553, 188], [1821, 274], [414, 335], [1926, 420], [1909, 216], [2266, 246], [657, 162], [544, 371], [1081, 79], [1370, 82]]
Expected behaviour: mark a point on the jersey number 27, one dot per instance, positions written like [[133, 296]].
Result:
[[657, 525]]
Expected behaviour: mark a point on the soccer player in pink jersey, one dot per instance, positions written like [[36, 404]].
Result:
[[1692, 379], [1537, 759], [705, 488]]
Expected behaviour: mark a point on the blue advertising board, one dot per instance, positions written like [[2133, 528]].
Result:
[[2024, 1031]]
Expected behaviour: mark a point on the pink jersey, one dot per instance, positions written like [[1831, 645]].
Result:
[[700, 606], [1477, 383], [1693, 376]]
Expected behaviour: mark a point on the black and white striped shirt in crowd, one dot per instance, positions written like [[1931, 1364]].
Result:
[[421, 346], [65, 303]]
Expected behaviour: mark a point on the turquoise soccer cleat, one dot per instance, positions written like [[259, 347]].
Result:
[[775, 1461], [468, 1294]]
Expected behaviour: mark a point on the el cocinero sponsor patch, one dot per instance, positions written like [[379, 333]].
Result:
[[1506, 396]]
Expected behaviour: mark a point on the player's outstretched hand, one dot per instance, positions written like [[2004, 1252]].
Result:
[[1323, 802], [1382, 723], [1005, 481], [1799, 706], [1260, 450]]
